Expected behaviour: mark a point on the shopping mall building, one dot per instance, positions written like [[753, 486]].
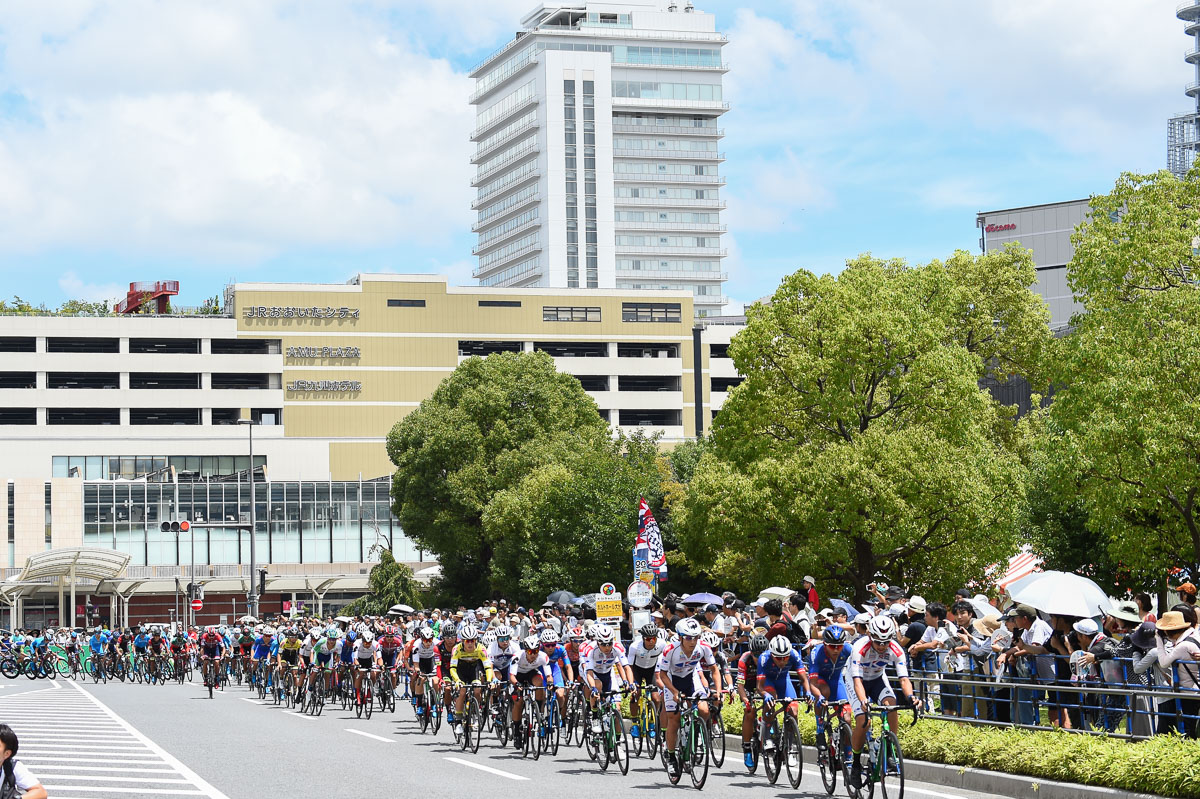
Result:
[[111, 425]]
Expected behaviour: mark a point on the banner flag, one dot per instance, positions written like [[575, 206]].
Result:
[[648, 533]]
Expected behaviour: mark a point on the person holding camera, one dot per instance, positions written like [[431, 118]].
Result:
[[1178, 644]]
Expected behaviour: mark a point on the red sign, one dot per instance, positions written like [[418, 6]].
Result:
[[197, 604], [1000, 228]]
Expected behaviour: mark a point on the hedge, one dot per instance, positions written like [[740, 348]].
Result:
[[1167, 765]]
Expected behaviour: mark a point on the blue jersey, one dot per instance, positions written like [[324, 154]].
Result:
[[828, 663], [97, 642], [41, 644], [141, 642], [776, 676], [346, 653], [265, 648]]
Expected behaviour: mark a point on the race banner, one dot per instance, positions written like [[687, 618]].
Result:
[[648, 533]]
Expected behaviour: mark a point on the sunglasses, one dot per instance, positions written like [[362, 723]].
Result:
[[688, 637]]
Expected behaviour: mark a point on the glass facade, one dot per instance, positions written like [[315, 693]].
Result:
[[297, 522], [131, 467]]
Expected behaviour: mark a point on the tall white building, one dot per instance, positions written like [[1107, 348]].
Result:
[[597, 150], [1183, 130]]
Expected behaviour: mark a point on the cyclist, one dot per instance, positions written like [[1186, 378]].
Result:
[[390, 646], [212, 646], [598, 663], [289, 654], [158, 647], [445, 648], [424, 661], [575, 639], [531, 667], [678, 673], [466, 662], [775, 669], [643, 661], [97, 644], [826, 663], [748, 685], [714, 643], [245, 645], [501, 650], [366, 655], [265, 648], [71, 646], [867, 682], [561, 670], [325, 651], [140, 643]]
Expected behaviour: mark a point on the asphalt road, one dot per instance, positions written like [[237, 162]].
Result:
[[116, 740]]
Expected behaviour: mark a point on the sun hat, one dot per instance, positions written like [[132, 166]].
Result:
[[987, 625], [1086, 627], [894, 592], [863, 618], [1143, 636], [827, 613], [917, 603], [808, 578], [1172, 620], [1186, 588], [896, 610], [1126, 611], [1024, 610]]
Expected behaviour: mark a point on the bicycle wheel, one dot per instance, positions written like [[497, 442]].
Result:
[[651, 730], [8, 667], [770, 756], [436, 708], [717, 743], [422, 714], [793, 759], [537, 726], [673, 766], [603, 744], [620, 742], [588, 739], [61, 664], [827, 760], [368, 699], [640, 741], [477, 726], [701, 735], [891, 767], [31, 670], [553, 725]]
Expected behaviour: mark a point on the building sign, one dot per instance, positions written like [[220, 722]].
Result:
[[325, 385], [292, 312], [323, 352], [1000, 228]]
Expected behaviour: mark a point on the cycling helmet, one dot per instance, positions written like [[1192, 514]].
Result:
[[268, 631], [211, 630], [503, 631], [332, 632], [426, 632], [780, 647], [548, 636], [245, 630], [489, 637], [469, 632], [712, 639], [223, 630], [590, 633], [530, 643], [449, 632], [577, 634], [834, 635], [603, 634], [689, 627], [368, 636], [649, 631], [292, 632], [881, 629], [758, 644], [156, 631]]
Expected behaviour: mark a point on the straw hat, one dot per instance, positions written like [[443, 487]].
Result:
[[1172, 620], [986, 626]]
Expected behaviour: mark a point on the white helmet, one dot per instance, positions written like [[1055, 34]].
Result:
[[780, 647], [469, 632], [368, 636], [688, 627], [503, 631], [530, 642], [604, 634], [548, 636], [711, 638], [881, 629]]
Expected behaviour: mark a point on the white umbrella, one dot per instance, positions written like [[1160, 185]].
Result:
[[983, 609], [343, 619], [400, 609], [775, 592], [248, 620], [1061, 593]]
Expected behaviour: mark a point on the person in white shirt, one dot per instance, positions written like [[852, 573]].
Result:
[[17, 780], [1032, 642]]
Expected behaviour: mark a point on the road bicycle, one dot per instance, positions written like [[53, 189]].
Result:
[[499, 716], [885, 761], [780, 740], [575, 717], [716, 729], [387, 690], [364, 701], [608, 744], [691, 744], [833, 743], [531, 727], [649, 735], [470, 723], [551, 724]]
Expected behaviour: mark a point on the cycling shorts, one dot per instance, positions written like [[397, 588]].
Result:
[[877, 690], [837, 686], [557, 675], [469, 670], [526, 677], [366, 663], [210, 651], [323, 658], [429, 665], [644, 674], [608, 680], [290, 656], [388, 656], [687, 685]]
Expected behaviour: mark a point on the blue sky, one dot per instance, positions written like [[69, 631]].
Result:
[[272, 140]]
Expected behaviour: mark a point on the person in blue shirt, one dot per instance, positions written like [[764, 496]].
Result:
[[266, 648], [141, 642], [825, 666], [98, 643], [559, 664], [775, 669]]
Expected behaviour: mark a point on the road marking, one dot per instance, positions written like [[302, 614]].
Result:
[[369, 735], [301, 715], [251, 701], [937, 794], [112, 789], [122, 769], [488, 769]]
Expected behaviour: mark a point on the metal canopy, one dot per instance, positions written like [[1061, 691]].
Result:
[[89, 563]]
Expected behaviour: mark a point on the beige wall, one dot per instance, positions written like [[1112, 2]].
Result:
[[66, 511], [30, 519]]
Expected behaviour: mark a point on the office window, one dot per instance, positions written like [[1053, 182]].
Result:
[[486, 348], [18, 379], [561, 313], [171, 416], [406, 303], [83, 416], [499, 303], [650, 312], [22, 416]]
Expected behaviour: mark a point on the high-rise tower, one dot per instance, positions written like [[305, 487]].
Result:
[[597, 151], [1183, 130]]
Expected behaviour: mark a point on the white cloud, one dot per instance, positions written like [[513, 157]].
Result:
[[74, 288], [227, 130]]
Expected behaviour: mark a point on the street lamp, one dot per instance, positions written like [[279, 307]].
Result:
[[252, 596]]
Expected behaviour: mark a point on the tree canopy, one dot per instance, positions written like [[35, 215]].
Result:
[[860, 441], [389, 583], [1125, 438]]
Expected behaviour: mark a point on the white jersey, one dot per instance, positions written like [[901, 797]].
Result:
[[424, 651], [595, 659], [523, 665], [677, 663], [363, 650], [501, 657], [306, 647], [646, 658], [868, 664]]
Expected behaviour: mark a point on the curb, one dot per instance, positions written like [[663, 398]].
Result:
[[993, 782]]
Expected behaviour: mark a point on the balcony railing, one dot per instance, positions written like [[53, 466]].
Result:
[[528, 148], [654, 177], [483, 198], [490, 219], [659, 102], [668, 130], [509, 114], [512, 256], [668, 202], [650, 249], [500, 238], [704, 227], [671, 274], [499, 144], [515, 70], [679, 155]]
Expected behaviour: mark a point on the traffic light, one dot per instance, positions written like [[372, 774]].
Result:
[[262, 581], [175, 527], [191, 590]]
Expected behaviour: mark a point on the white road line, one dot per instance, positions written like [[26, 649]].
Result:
[[196, 779], [105, 778], [42, 759], [251, 701], [51, 789], [488, 769], [369, 735], [935, 793], [123, 770], [300, 715]]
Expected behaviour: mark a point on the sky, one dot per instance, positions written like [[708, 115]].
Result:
[[236, 140]]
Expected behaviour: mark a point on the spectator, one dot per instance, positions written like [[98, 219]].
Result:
[[1030, 645], [799, 626], [1179, 645], [1187, 594], [912, 632], [1145, 605], [809, 586], [775, 622], [17, 779]]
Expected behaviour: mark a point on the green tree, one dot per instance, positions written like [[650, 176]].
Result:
[[1126, 412], [860, 442], [390, 583], [489, 425], [571, 523], [74, 307]]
